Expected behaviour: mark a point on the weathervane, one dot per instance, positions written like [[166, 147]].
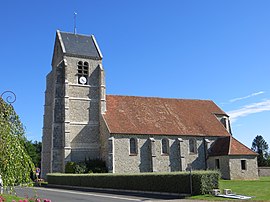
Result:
[[75, 28], [10, 97]]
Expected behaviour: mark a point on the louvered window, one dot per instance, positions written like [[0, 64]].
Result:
[[83, 68]]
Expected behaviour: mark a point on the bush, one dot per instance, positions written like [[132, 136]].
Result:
[[96, 166], [87, 166], [203, 182], [70, 167], [175, 182]]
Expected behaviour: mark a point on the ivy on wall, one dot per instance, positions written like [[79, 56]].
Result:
[[16, 165]]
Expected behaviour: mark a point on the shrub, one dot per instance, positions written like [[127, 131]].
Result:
[[87, 166], [175, 182], [96, 166], [203, 182], [70, 167]]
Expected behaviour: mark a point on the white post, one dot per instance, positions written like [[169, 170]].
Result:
[[1, 185]]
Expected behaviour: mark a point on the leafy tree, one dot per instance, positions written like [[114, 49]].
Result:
[[15, 163], [34, 151], [268, 160], [260, 146]]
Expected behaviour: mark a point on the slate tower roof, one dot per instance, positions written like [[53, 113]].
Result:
[[79, 45]]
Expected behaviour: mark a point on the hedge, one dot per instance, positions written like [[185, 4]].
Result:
[[174, 182]]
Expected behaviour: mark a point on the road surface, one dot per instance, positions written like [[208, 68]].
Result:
[[59, 195]]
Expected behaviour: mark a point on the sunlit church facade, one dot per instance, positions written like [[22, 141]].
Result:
[[131, 134]]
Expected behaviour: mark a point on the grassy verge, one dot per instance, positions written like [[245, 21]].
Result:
[[9, 198], [259, 189]]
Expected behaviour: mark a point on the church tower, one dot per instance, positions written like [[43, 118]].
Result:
[[74, 100]]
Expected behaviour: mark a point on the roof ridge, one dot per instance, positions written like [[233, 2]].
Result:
[[75, 34], [156, 97]]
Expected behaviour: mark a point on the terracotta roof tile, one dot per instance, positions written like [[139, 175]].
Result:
[[163, 116], [229, 146], [237, 148]]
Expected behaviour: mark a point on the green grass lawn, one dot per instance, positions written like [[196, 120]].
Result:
[[260, 189]]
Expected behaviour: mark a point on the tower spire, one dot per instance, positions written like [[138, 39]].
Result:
[[75, 28]]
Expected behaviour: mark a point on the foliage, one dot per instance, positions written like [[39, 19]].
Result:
[[87, 166], [12, 198], [205, 182], [260, 146], [6, 197], [15, 164], [174, 182], [70, 167], [259, 189], [34, 151]]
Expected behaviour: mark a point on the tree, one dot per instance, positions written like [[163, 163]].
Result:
[[34, 151], [16, 165], [260, 146]]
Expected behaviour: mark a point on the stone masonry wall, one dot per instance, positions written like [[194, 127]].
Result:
[[145, 162], [223, 163], [83, 110], [251, 171], [264, 171], [230, 167], [105, 154], [47, 128], [49, 149]]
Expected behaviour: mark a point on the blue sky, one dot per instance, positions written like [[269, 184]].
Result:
[[211, 49]]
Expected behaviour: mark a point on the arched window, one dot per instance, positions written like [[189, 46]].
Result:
[[132, 146], [192, 146], [165, 146], [83, 68]]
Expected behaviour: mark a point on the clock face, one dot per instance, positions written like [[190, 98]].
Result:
[[82, 80]]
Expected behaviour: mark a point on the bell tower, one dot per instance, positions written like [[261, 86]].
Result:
[[74, 99]]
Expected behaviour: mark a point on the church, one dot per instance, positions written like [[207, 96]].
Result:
[[131, 134]]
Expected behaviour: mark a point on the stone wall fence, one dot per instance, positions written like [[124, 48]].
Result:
[[264, 171]]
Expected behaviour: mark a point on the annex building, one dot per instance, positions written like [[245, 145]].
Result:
[[132, 134]]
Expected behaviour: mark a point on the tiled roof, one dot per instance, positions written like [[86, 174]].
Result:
[[162, 116], [80, 45], [229, 146]]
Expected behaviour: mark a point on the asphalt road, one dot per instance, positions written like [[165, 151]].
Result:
[[59, 195]]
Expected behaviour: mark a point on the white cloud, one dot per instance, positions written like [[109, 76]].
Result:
[[249, 109], [248, 96]]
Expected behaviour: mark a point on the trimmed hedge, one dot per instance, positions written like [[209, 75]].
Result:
[[174, 182]]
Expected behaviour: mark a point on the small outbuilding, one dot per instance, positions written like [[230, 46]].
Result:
[[233, 159]]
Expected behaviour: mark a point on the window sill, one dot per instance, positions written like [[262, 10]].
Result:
[[133, 154]]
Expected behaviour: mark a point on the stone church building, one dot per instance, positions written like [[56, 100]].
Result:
[[132, 134]]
